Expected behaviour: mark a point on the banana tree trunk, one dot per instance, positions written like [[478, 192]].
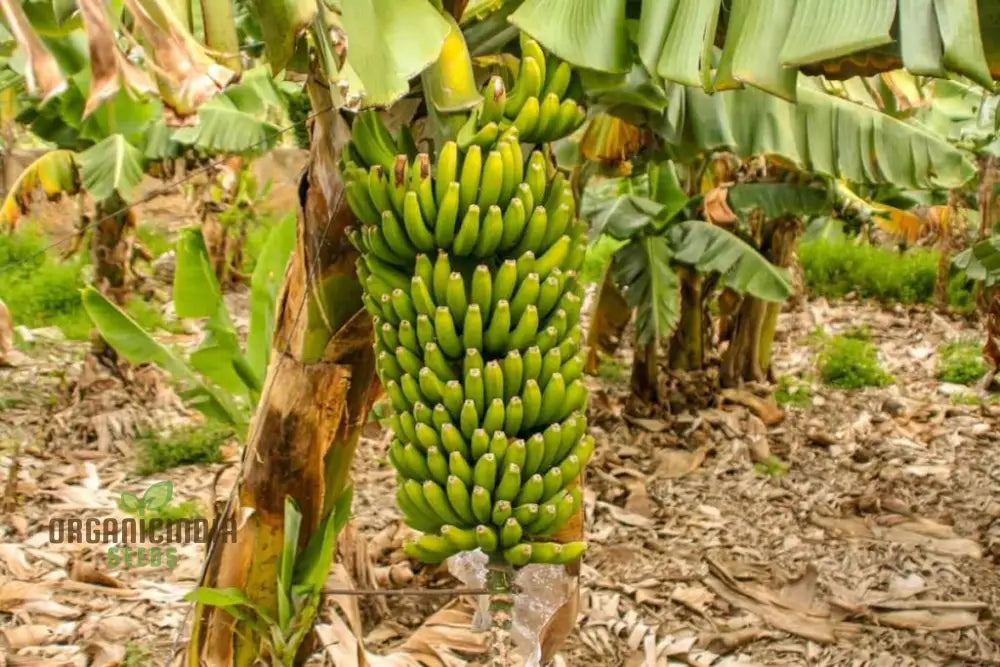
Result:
[[687, 346], [748, 357], [317, 393], [611, 315], [645, 371], [111, 249]]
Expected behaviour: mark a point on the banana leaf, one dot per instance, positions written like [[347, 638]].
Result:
[[643, 272]]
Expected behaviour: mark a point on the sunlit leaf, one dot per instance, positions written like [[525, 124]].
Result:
[[137, 346], [110, 69], [281, 22], [757, 29], [41, 71], [712, 249], [223, 127], [587, 33], [111, 166], [958, 21], [687, 52], [390, 42], [826, 29], [981, 261]]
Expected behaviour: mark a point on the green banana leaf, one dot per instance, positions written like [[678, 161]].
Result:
[[224, 127], [391, 42], [777, 199], [587, 33], [197, 294], [711, 249], [110, 166], [281, 22], [820, 133], [264, 286], [643, 272], [981, 261], [137, 346], [764, 40]]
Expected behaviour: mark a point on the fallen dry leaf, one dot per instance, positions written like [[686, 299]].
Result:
[[679, 462], [765, 408]]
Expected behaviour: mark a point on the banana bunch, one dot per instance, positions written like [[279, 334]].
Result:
[[536, 104], [469, 263]]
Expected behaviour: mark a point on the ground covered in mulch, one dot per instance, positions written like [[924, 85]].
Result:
[[859, 527]]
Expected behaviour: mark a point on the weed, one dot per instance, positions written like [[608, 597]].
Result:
[[187, 509], [960, 362], [834, 268], [138, 654], [772, 466], [193, 444], [970, 398], [850, 363], [793, 391], [611, 369], [156, 239]]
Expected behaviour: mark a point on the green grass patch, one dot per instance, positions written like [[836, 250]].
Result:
[[851, 363], [793, 391], [39, 289], [970, 398], [772, 466], [138, 654], [43, 291], [193, 444], [960, 362], [156, 239], [834, 268], [611, 369]]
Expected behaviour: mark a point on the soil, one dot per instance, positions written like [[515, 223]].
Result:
[[860, 528]]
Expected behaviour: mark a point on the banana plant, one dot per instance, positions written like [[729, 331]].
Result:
[[113, 120], [219, 379]]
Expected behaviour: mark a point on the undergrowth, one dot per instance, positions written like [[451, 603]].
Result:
[[192, 444], [43, 291], [961, 362], [834, 268], [851, 362], [793, 391], [138, 654]]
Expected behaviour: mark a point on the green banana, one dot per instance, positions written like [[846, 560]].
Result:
[[468, 232], [447, 336], [526, 295], [481, 504], [459, 467], [473, 359], [447, 217], [485, 472], [468, 419], [481, 290], [437, 498], [452, 440], [461, 539], [502, 510], [474, 389], [525, 330], [557, 80], [445, 170], [498, 332], [510, 533], [493, 381], [513, 373], [472, 168], [479, 443], [548, 118], [494, 100], [460, 500], [451, 398], [514, 416], [517, 555], [553, 400], [493, 420], [490, 232], [531, 490], [528, 86], [472, 328], [514, 220], [510, 483], [486, 538], [527, 119], [437, 464]]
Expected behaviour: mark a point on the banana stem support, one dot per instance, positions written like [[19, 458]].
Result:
[[500, 584]]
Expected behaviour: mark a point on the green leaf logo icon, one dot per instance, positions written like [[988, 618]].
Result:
[[130, 503], [158, 495]]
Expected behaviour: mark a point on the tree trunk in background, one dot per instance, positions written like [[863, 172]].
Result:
[[645, 371], [687, 346], [611, 314], [748, 357], [111, 248], [316, 397]]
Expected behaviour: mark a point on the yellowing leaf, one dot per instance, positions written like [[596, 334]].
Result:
[[54, 173]]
